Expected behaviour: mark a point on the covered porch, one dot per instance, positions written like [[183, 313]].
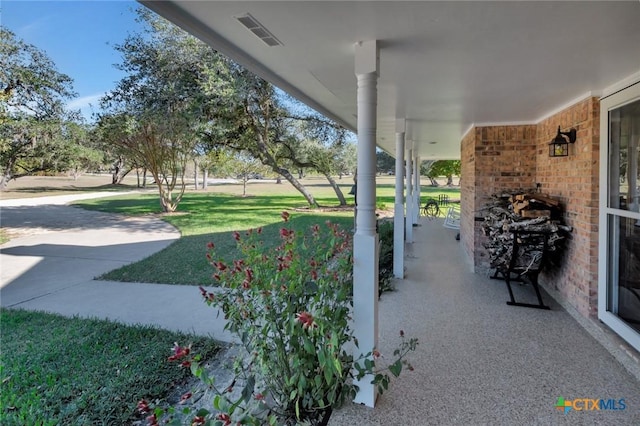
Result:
[[480, 361]]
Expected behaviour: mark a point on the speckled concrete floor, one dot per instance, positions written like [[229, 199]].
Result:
[[481, 362]]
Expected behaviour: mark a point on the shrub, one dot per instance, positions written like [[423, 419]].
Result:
[[385, 262], [291, 309]]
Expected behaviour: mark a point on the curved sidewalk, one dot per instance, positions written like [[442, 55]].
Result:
[[58, 250]]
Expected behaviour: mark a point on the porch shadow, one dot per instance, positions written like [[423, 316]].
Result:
[[480, 361], [39, 270]]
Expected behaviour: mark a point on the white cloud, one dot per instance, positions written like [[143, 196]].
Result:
[[34, 28], [85, 101]]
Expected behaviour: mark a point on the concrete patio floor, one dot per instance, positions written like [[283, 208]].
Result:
[[482, 362]]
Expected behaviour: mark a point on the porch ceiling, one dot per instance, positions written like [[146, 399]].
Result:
[[443, 65]]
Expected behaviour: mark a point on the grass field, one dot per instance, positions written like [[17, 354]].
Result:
[[38, 186], [211, 216], [70, 371]]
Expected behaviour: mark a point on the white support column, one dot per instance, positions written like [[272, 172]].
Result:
[[409, 196], [398, 218], [365, 241], [416, 188]]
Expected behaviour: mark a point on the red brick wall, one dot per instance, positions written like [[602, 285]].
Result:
[[505, 160], [574, 180], [497, 158]]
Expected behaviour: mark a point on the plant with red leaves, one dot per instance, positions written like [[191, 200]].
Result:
[[179, 352], [290, 308], [143, 406]]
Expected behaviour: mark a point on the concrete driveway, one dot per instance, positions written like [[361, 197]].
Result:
[[57, 250]]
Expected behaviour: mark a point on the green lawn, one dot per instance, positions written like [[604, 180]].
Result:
[[208, 216], [72, 371], [4, 237]]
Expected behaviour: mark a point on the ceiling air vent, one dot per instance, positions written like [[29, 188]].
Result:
[[258, 30]]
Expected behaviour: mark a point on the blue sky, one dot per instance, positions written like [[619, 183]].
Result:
[[78, 36]]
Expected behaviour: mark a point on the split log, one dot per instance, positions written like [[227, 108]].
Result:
[[536, 213], [518, 206], [543, 199], [526, 223]]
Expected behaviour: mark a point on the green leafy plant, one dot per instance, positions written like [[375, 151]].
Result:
[[385, 262], [291, 308]]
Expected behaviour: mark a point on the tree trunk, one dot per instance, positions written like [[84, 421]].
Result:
[[433, 182], [265, 156], [450, 180], [138, 177], [167, 203], [166, 199], [144, 177], [244, 186], [4, 180], [337, 190], [195, 174], [297, 185], [119, 172], [205, 177], [117, 166], [8, 174]]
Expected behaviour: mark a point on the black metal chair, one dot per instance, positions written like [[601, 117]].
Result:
[[430, 208]]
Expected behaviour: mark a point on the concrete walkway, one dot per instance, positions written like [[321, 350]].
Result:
[[60, 249]]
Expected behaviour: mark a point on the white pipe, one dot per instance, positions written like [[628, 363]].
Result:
[[398, 219]]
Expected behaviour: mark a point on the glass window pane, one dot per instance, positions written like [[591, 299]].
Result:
[[624, 155], [624, 294]]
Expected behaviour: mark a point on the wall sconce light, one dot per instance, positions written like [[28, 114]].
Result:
[[559, 146]]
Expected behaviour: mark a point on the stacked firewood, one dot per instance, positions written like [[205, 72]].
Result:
[[506, 213], [535, 205]]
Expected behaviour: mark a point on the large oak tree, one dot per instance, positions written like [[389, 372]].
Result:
[[37, 133], [256, 120]]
